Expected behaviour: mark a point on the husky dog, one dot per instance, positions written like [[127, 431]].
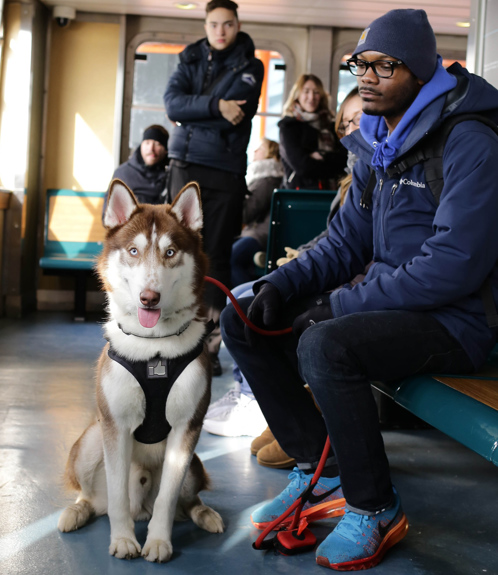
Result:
[[137, 460]]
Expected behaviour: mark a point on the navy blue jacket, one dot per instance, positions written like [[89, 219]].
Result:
[[202, 136], [427, 257]]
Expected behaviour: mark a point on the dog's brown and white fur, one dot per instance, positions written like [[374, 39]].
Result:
[[152, 268]]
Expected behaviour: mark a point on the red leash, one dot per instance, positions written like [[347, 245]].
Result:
[[243, 316], [297, 538]]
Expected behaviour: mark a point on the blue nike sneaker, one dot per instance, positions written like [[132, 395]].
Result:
[[326, 500], [360, 541]]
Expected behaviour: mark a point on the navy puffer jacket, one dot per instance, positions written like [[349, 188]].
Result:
[[426, 257], [202, 136]]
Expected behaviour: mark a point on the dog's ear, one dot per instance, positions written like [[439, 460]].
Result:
[[187, 206], [120, 205]]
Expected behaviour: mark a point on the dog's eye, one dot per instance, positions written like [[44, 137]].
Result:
[[170, 253], [133, 251]]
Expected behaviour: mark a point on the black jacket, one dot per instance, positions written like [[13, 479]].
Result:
[[203, 77], [297, 141], [146, 182]]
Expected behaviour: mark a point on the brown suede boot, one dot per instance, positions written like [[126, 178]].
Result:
[[264, 439], [272, 455]]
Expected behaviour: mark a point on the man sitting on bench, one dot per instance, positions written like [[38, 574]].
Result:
[[419, 309]]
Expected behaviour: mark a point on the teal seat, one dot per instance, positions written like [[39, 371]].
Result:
[[463, 407], [73, 238], [297, 216]]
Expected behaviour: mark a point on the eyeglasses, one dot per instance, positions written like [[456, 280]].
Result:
[[345, 124], [381, 68]]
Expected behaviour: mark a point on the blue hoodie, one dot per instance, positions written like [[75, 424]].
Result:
[[427, 257]]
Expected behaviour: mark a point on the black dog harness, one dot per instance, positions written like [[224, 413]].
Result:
[[156, 377]]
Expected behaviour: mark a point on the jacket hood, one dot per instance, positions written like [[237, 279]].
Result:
[[473, 94], [243, 46]]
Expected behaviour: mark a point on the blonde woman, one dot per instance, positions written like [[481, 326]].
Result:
[[311, 154]]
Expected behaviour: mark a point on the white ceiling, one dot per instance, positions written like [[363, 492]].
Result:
[[443, 14]]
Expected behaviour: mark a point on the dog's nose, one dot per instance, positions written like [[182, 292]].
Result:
[[149, 298]]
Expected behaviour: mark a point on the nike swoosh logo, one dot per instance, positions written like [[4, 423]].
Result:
[[317, 498], [383, 529]]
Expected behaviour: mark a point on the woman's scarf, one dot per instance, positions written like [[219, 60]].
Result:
[[374, 129], [321, 121], [268, 168]]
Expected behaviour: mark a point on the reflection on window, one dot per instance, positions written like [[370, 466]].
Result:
[[155, 62]]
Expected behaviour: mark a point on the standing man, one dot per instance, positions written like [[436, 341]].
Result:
[[213, 96], [419, 308]]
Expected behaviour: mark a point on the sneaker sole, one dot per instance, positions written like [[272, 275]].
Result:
[[394, 536], [325, 510]]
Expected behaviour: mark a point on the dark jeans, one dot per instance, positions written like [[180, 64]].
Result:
[[243, 267], [338, 359]]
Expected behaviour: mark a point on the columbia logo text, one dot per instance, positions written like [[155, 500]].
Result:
[[407, 182]]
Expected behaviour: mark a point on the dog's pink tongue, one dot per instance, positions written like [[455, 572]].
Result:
[[148, 317]]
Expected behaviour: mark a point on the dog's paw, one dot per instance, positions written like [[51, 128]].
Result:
[[208, 519], [75, 516], [124, 548], [157, 550]]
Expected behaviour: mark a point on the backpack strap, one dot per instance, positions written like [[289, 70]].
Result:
[[430, 151], [366, 196]]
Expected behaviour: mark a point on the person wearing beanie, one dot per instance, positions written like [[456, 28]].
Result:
[[213, 96], [419, 308], [145, 172]]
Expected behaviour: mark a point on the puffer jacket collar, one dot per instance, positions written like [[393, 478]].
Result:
[[238, 55]]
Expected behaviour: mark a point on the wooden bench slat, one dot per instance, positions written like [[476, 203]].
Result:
[[483, 390], [75, 219]]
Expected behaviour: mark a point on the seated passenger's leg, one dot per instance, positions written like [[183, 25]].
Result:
[[271, 371], [338, 359]]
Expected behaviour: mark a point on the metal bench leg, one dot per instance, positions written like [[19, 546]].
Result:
[[80, 296]]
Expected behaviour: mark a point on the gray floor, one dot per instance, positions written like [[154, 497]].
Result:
[[46, 390]]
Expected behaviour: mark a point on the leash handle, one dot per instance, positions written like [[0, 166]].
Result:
[[260, 543], [242, 315]]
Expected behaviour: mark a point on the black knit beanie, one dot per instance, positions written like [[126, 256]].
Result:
[[153, 133], [405, 35]]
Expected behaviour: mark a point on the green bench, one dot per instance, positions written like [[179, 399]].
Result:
[[73, 238], [297, 216], [463, 407]]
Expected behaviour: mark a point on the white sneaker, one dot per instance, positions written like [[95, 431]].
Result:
[[244, 418], [225, 402]]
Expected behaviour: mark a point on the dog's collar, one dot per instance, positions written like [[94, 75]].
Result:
[[178, 332]]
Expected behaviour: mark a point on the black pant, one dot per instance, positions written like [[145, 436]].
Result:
[[222, 196], [338, 359]]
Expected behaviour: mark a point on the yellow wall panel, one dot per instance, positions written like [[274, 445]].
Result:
[[80, 119]]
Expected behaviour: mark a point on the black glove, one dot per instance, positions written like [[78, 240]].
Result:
[[319, 310], [263, 311]]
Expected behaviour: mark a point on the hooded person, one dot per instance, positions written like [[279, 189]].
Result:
[[418, 309], [145, 171]]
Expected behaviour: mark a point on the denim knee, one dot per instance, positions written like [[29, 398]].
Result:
[[229, 322], [321, 353]]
